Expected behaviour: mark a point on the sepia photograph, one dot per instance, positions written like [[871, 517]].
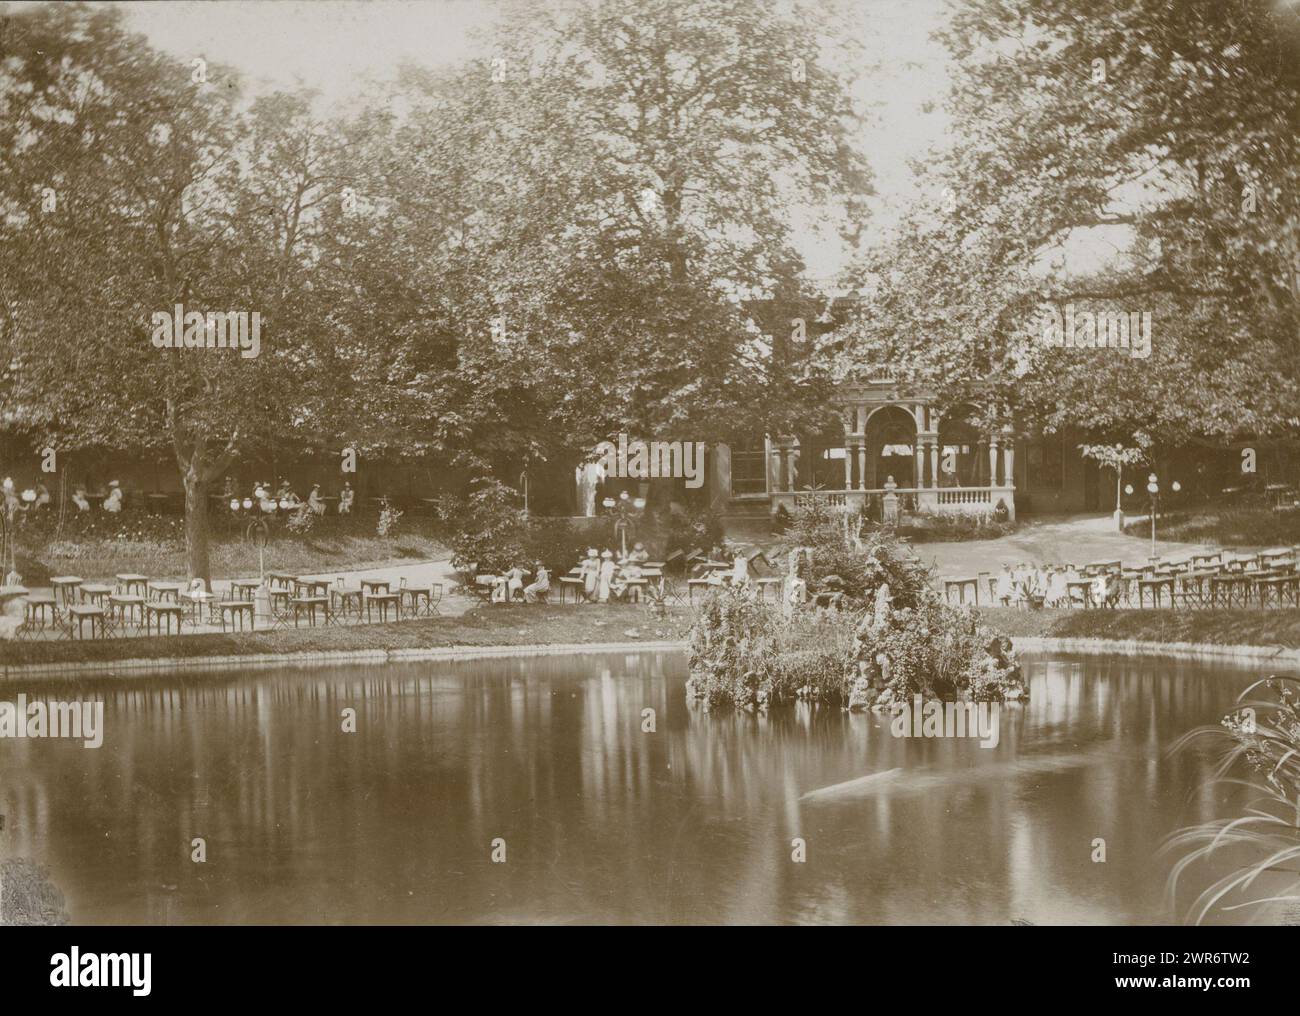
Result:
[[651, 463]]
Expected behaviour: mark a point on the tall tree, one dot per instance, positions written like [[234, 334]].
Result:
[[130, 184], [593, 205], [1163, 134]]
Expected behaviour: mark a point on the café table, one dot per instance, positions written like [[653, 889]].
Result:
[[1235, 585], [1281, 585], [63, 586], [960, 585], [126, 608], [237, 609], [313, 587], [280, 580], [1198, 578], [1085, 587], [95, 592], [129, 581], [383, 600], [371, 586], [164, 591], [1156, 585], [155, 610], [244, 589]]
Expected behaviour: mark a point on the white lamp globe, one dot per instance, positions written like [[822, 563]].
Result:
[[1176, 486], [1128, 488], [234, 504], [248, 502]]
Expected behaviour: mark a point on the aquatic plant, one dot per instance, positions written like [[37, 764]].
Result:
[[1261, 737]]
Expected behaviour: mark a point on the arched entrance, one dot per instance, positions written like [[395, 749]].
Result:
[[891, 447]]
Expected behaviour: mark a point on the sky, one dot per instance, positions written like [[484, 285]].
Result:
[[334, 46]]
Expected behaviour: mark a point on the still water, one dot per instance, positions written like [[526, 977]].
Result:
[[602, 822]]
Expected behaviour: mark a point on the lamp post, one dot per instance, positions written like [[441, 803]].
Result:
[[626, 508], [1153, 490], [255, 531]]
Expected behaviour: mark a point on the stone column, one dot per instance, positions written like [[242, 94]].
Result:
[[993, 461], [1009, 456], [934, 462], [919, 479], [848, 464], [862, 462]]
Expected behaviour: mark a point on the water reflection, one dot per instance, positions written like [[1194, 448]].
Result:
[[602, 821]]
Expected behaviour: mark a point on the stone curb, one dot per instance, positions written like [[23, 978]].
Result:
[[1136, 647], [333, 657]]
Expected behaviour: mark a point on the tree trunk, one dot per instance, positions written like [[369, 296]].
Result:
[[196, 528]]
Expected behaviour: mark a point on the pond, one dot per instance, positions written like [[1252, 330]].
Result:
[[527, 791]]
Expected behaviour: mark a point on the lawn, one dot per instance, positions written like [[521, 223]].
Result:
[[1217, 627], [497, 625], [1225, 526], [99, 546]]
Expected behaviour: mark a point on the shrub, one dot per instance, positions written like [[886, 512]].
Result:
[[955, 528], [700, 528], [862, 563], [388, 518], [748, 653]]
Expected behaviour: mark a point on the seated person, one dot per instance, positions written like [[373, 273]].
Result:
[[1105, 590], [42, 495], [345, 499], [314, 501], [287, 496], [80, 500], [1058, 593], [622, 584], [638, 553], [113, 503], [508, 585], [264, 500], [538, 589], [740, 570]]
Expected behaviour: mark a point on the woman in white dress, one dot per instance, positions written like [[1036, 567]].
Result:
[[607, 568], [113, 503], [589, 572], [1006, 586], [1058, 593], [540, 586]]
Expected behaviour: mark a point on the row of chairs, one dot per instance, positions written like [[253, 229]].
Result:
[[1207, 579], [140, 606]]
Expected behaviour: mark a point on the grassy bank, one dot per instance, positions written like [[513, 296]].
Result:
[[98, 546], [499, 625], [1225, 526], [1216, 627], [503, 625]]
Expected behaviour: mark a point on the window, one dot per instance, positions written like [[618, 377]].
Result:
[[749, 465]]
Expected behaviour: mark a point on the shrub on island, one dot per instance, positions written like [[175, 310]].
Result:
[[892, 637]]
